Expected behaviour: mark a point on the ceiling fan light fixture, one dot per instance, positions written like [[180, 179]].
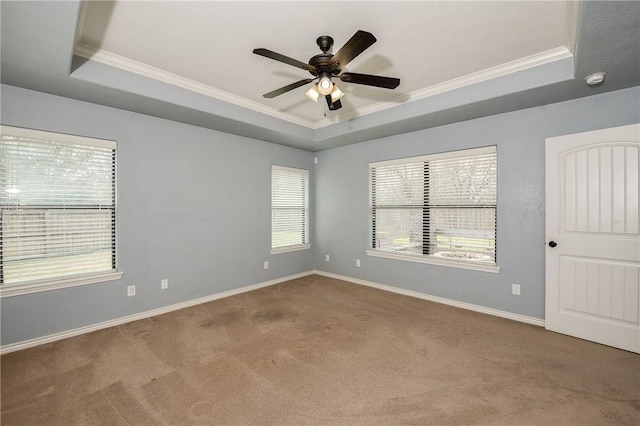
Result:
[[325, 66], [336, 93], [325, 86], [313, 93]]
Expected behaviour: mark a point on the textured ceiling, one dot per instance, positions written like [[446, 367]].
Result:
[[191, 62], [425, 44]]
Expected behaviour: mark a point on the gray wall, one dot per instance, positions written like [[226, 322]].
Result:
[[342, 200], [193, 207]]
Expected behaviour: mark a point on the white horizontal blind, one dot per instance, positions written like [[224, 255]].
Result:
[[57, 206], [397, 207], [441, 205], [289, 207]]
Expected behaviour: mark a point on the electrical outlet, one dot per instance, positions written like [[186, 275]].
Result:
[[164, 284], [358, 263], [266, 264], [326, 257], [515, 289], [315, 160], [131, 290]]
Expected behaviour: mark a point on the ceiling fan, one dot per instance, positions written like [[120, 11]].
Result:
[[324, 66]]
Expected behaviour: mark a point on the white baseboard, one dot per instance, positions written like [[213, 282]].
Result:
[[159, 311], [142, 315], [477, 308]]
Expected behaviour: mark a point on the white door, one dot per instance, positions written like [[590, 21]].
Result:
[[593, 246]]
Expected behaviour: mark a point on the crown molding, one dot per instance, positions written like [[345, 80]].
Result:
[[129, 65], [521, 64], [571, 35], [117, 61]]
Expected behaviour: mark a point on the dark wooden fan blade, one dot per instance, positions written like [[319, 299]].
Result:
[[357, 44], [287, 60], [370, 80], [288, 87]]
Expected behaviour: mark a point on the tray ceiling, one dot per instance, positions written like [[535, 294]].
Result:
[[431, 46], [192, 61]]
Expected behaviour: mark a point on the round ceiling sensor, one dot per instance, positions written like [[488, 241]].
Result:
[[595, 79]]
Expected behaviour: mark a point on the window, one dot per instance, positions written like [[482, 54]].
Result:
[[57, 209], [289, 209], [439, 207]]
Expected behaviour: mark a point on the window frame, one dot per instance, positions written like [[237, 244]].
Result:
[[306, 222], [429, 258], [53, 283]]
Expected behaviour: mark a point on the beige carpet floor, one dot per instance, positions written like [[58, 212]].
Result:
[[321, 351]]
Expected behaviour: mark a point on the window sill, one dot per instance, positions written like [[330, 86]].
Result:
[[435, 261], [290, 248], [20, 289]]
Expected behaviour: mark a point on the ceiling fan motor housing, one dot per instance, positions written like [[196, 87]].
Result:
[[325, 43], [322, 64]]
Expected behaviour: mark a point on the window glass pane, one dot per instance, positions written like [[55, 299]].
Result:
[[399, 230], [468, 180], [52, 173], [289, 207], [467, 234], [441, 205], [57, 207], [288, 227], [401, 185]]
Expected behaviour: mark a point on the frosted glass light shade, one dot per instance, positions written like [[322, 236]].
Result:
[[325, 85], [313, 93], [336, 93]]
